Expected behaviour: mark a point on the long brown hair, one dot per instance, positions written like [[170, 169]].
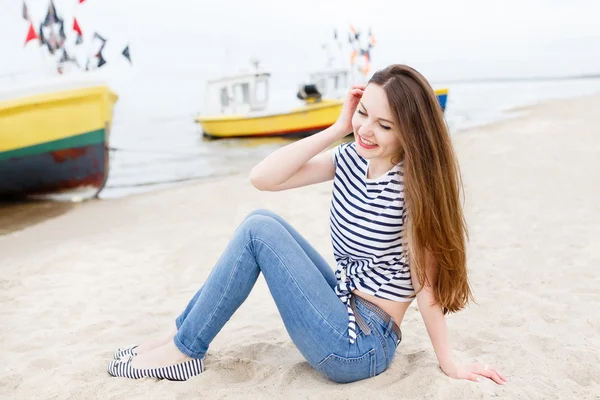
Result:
[[432, 184]]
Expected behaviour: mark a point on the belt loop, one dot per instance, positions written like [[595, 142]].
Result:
[[390, 327], [359, 319]]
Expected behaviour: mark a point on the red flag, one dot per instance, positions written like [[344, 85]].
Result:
[[76, 27], [31, 35], [81, 1]]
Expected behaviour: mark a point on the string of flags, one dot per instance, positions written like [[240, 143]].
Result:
[[360, 55], [51, 34], [359, 51]]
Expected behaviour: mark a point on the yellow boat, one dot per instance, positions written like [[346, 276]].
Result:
[[235, 106], [54, 140], [300, 121]]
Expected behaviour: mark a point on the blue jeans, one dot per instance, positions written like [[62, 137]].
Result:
[[302, 285]]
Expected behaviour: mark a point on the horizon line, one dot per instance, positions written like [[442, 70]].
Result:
[[519, 79]]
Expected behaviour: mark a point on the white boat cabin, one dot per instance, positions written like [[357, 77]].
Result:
[[237, 94], [331, 83]]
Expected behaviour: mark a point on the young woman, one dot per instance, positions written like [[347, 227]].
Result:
[[397, 230]]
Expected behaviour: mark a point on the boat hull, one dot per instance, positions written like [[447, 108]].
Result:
[[300, 122], [442, 96], [56, 143]]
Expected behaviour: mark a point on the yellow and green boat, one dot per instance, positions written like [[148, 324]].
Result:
[[55, 141]]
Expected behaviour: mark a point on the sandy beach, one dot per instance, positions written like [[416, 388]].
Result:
[[109, 273]]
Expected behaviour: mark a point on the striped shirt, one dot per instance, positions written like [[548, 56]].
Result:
[[367, 219]]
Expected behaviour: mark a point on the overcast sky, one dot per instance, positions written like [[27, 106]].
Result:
[[445, 39]]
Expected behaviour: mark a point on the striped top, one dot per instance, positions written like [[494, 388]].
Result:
[[367, 219]]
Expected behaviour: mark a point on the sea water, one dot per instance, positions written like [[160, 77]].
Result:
[[159, 144]]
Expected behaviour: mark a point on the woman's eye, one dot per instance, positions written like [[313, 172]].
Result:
[[385, 127], [361, 113]]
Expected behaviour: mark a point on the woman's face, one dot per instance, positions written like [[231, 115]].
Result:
[[375, 132]]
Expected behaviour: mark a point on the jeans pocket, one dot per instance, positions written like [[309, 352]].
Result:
[[348, 369]]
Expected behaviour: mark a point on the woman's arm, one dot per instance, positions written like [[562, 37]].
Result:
[[299, 163], [433, 317], [303, 162], [435, 323]]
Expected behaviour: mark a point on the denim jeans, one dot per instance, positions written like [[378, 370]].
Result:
[[302, 285]]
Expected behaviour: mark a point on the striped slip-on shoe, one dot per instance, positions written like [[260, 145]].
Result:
[[125, 351], [178, 372]]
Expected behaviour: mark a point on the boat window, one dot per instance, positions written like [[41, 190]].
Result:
[[261, 91], [241, 93], [322, 85], [224, 97], [334, 82], [344, 81]]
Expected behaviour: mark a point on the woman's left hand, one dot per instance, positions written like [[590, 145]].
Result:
[[475, 372]]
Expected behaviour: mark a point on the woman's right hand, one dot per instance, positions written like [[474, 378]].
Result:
[[344, 121]]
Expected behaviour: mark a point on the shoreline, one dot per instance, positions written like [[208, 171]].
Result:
[[16, 216]]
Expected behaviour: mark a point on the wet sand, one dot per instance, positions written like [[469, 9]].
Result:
[[15, 216]]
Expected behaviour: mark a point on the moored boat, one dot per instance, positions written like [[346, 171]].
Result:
[[54, 140], [236, 106]]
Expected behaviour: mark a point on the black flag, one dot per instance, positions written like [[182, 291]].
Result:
[[126, 54], [101, 60], [103, 40], [61, 31], [64, 57], [97, 35], [41, 35], [51, 16], [25, 12]]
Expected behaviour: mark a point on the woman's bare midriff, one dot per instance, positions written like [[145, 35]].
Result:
[[395, 309]]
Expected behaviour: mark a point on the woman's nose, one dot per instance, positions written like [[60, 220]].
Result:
[[365, 130]]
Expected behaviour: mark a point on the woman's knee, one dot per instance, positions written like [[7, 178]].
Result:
[[263, 212], [257, 223]]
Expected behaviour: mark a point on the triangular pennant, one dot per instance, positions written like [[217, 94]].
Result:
[[126, 54], [61, 32], [81, 1], [64, 57], [51, 16], [101, 60], [25, 12], [41, 35], [31, 34], [76, 27], [97, 35], [353, 57]]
